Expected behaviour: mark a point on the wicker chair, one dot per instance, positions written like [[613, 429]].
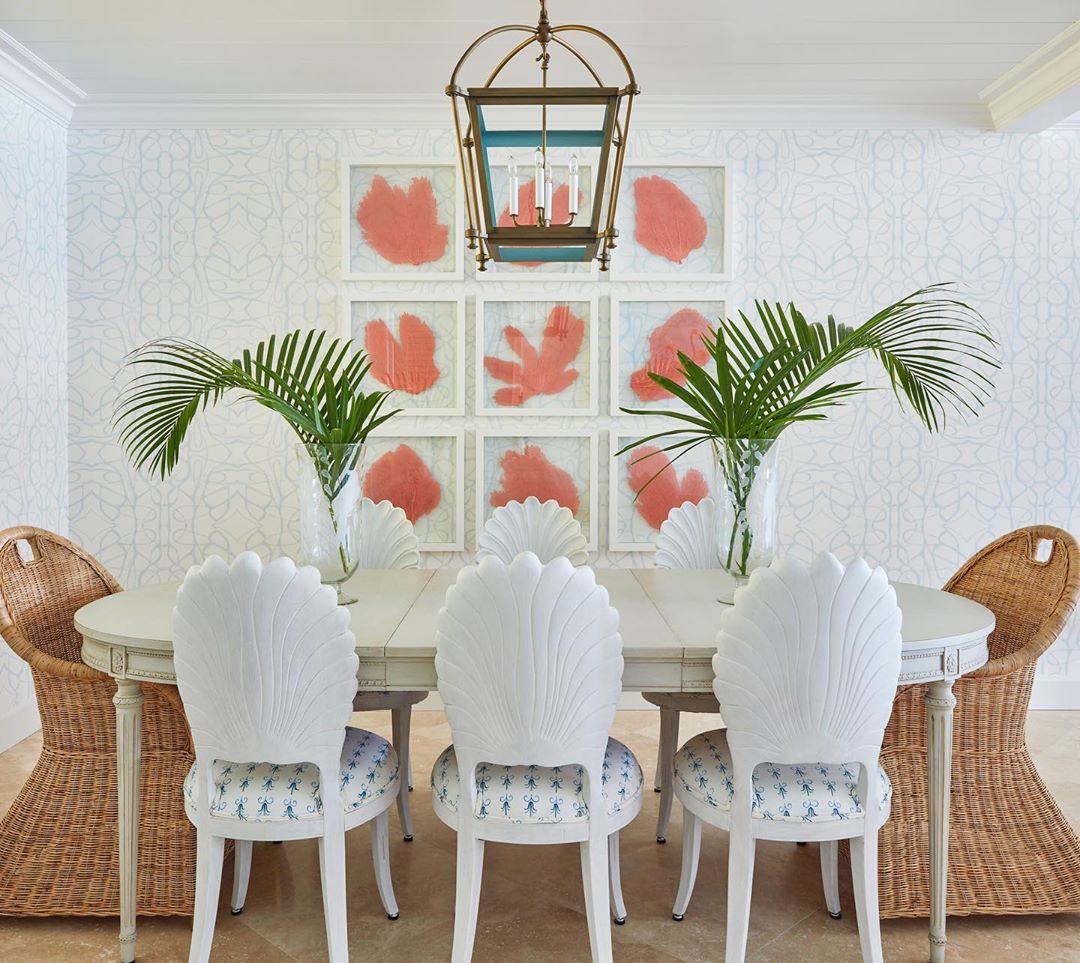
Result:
[[58, 841], [1010, 848]]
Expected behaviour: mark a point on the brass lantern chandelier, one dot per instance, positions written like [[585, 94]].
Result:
[[510, 218]]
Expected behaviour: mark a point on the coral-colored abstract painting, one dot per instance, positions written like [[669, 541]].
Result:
[[421, 475], [402, 221], [672, 222], [416, 348], [648, 336], [535, 357]]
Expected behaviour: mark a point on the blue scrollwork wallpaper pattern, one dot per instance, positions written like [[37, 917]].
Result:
[[228, 235], [33, 345]]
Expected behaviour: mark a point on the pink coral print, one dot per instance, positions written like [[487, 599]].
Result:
[[530, 472], [666, 491], [401, 478], [544, 372], [560, 205], [667, 223], [407, 365], [402, 226], [681, 332]]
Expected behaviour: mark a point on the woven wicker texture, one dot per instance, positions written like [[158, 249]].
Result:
[[1010, 848], [58, 842]]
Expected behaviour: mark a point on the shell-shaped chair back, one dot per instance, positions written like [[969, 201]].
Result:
[[529, 661], [546, 529], [265, 663], [688, 537], [387, 538], [807, 665]]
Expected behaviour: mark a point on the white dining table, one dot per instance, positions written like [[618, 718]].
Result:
[[668, 622]]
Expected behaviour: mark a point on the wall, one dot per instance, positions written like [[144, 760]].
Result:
[[33, 353], [228, 235]]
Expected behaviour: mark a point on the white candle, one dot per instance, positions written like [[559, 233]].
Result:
[[511, 170], [574, 185], [548, 185], [538, 177]]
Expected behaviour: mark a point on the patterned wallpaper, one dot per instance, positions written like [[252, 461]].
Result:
[[226, 236], [33, 358]]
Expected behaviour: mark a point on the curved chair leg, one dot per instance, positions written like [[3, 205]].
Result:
[[332, 870], [864, 876], [669, 745], [470, 871], [691, 851], [380, 856], [741, 846], [241, 875], [401, 719], [594, 871], [830, 876], [210, 853], [615, 876]]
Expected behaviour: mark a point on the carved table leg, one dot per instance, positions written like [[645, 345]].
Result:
[[128, 701], [939, 718]]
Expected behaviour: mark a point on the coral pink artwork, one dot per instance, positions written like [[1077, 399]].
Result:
[[544, 371], [667, 490], [401, 477], [402, 225], [530, 472], [681, 332], [668, 223], [407, 364]]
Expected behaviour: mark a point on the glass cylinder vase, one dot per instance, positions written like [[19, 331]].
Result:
[[331, 489], [747, 496]]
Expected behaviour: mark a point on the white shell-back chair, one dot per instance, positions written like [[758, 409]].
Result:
[[266, 667], [529, 661], [546, 529], [388, 541], [806, 668], [687, 540]]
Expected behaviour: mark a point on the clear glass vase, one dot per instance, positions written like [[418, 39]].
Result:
[[331, 488], [747, 496]]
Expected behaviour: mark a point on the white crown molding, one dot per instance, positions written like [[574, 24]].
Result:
[[654, 112], [1040, 91], [28, 77]]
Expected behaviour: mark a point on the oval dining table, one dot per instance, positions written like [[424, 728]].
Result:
[[668, 621]]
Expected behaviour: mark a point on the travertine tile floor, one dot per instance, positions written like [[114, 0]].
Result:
[[530, 907]]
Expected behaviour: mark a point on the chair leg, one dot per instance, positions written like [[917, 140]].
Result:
[[594, 871], [380, 856], [740, 882], [401, 719], [830, 876], [691, 852], [470, 871], [241, 874], [669, 745], [210, 853], [615, 876], [332, 870], [864, 876]]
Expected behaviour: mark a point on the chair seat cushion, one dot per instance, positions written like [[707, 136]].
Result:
[[811, 793], [537, 794], [264, 792]]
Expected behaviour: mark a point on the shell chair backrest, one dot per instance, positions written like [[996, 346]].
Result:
[[688, 537], [546, 529], [265, 662], [387, 538]]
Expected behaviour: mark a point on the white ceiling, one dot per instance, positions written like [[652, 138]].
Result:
[[849, 51]]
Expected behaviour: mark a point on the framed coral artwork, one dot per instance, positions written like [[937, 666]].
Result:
[[416, 346], [647, 334], [536, 356], [423, 473], [402, 221], [558, 463], [674, 222], [637, 507]]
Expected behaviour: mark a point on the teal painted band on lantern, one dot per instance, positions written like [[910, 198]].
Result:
[[532, 138], [542, 253]]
